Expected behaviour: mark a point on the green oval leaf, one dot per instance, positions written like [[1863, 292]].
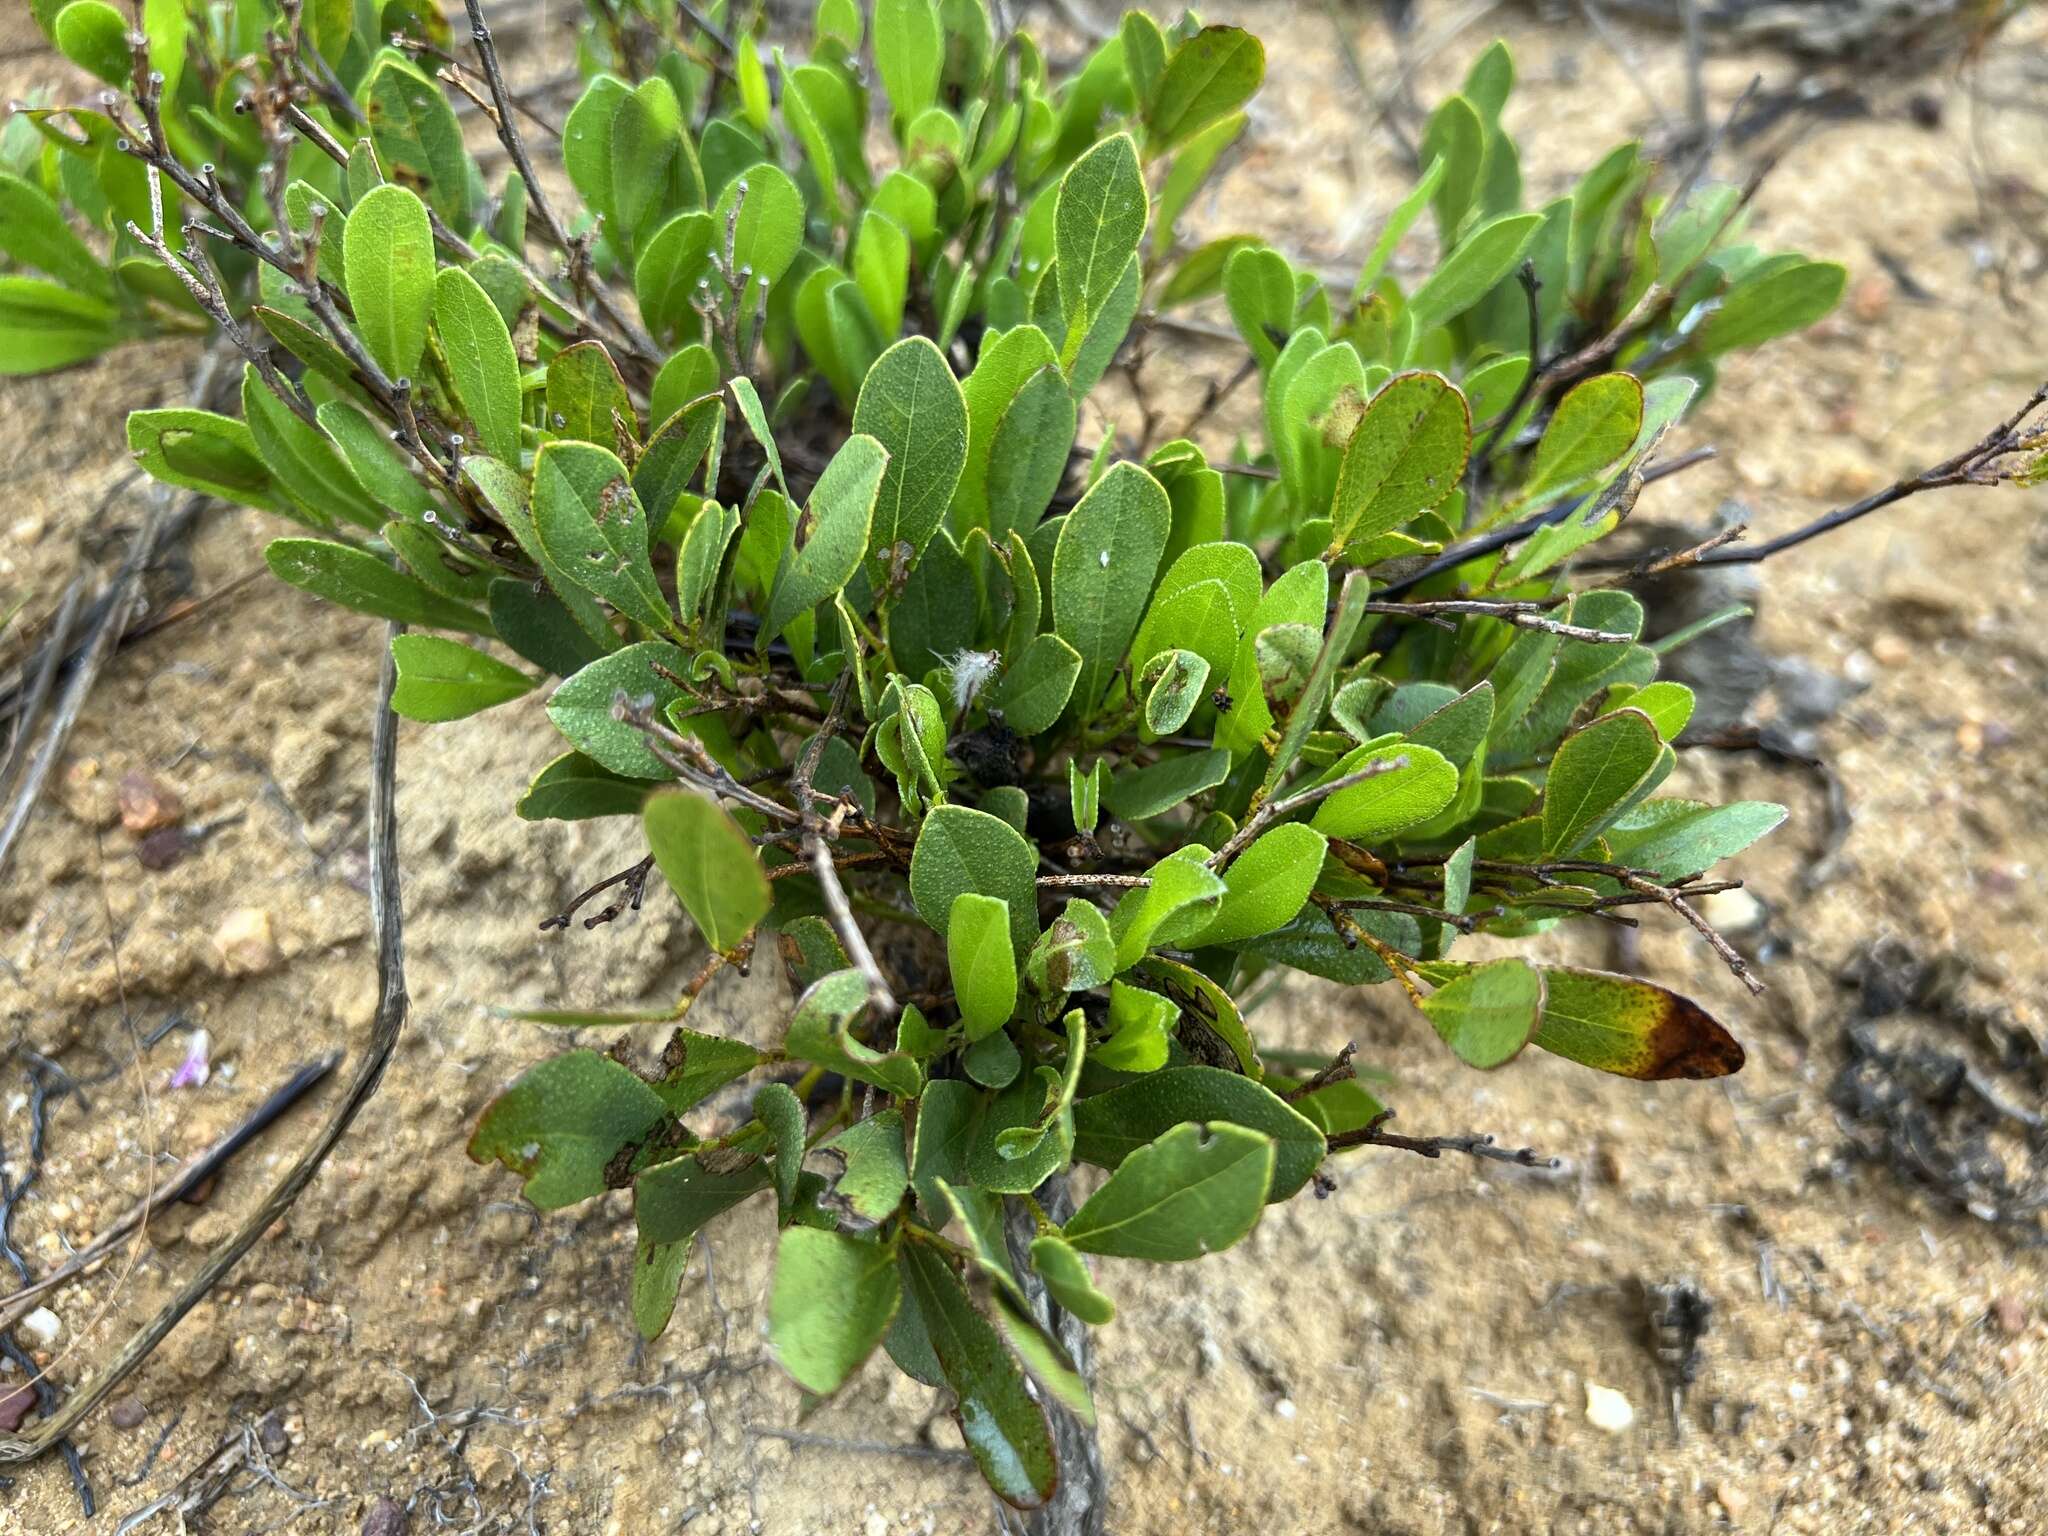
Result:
[[912, 406], [960, 849], [983, 964], [834, 1297], [1194, 1191], [1487, 1014], [709, 863], [1406, 455], [481, 363], [441, 679], [389, 261]]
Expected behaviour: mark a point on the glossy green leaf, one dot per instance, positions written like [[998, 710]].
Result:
[[45, 326], [1194, 1191], [819, 1031], [1158, 788], [910, 51], [1003, 1425], [1102, 570], [1481, 259], [1209, 77], [1098, 224], [1068, 1282], [1392, 802], [1674, 839], [33, 233], [1265, 885], [357, 579], [1773, 303], [576, 788], [303, 460], [481, 363], [94, 36], [1109, 1127], [766, 213], [1593, 426]]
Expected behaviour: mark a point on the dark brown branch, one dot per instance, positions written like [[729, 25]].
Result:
[[1480, 1146], [1339, 1070], [633, 878]]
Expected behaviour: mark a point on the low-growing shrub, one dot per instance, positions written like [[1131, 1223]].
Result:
[[767, 444]]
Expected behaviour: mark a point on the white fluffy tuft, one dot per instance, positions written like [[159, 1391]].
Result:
[[972, 672]]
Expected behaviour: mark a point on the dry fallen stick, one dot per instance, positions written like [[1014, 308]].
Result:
[[387, 927], [17, 1304]]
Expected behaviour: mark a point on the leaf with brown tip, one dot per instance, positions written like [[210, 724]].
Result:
[[1632, 1028]]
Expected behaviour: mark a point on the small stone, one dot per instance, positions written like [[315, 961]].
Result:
[[127, 1412], [1733, 1501], [493, 1467], [42, 1327], [87, 794], [1607, 1409], [198, 1346], [387, 1517], [245, 942], [271, 1436], [147, 805], [1890, 651], [162, 848], [14, 1407], [1871, 298], [1285, 1408], [211, 1230], [2010, 1314]]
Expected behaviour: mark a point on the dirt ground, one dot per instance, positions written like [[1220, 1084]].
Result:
[[1412, 1354]]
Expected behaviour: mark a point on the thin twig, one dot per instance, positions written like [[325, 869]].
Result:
[[1272, 810], [1480, 1146], [818, 850]]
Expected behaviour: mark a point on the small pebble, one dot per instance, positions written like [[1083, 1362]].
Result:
[[2010, 1314], [147, 805], [387, 1517], [14, 1407], [127, 1412], [1607, 1409], [246, 943], [42, 1327]]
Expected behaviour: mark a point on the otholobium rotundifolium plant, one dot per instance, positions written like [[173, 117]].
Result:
[[761, 454]]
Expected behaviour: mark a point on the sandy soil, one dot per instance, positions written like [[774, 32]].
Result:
[[1411, 1355]]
